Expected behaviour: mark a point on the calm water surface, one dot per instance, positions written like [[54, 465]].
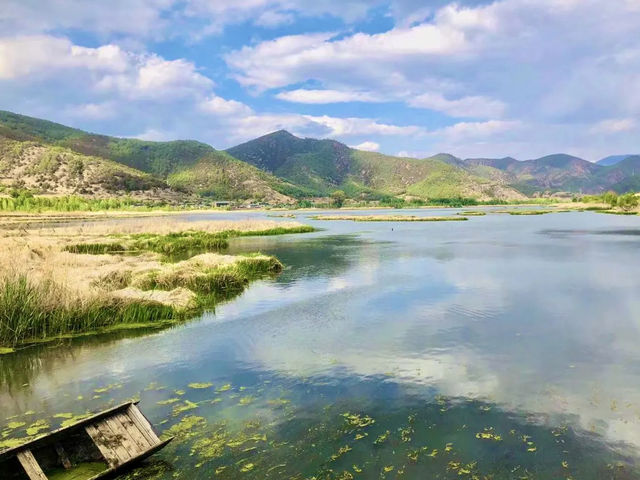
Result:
[[502, 347]]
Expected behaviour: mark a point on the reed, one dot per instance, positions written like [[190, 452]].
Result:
[[31, 311], [52, 285]]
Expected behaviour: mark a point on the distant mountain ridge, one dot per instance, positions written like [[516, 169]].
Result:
[[280, 167], [558, 173], [612, 159]]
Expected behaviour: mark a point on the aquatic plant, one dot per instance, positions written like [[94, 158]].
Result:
[[390, 218]]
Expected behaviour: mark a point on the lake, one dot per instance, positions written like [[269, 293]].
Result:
[[502, 347]]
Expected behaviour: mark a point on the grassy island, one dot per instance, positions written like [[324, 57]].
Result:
[[389, 218], [57, 281]]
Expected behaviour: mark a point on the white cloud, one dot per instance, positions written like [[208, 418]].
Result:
[[465, 131], [615, 125], [130, 17], [273, 18], [475, 106], [93, 111], [130, 74], [326, 96], [368, 146], [344, 127], [220, 106]]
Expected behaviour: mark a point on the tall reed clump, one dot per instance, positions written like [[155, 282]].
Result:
[[176, 243], [219, 280], [39, 310]]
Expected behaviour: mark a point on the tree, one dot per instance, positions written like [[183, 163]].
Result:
[[628, 201], [611, 198], [338, 198]]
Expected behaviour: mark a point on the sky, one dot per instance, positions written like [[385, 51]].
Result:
[[474, 78]]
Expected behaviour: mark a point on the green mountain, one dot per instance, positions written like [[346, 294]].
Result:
[[612, 159], [323, 166], [52, 169], [47, 157], [184, 165], [557, 173]]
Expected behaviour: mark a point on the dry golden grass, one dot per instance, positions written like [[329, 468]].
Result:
[[38, 253]]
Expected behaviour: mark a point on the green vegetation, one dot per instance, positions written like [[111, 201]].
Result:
[[25, 201], [472, 213], [220, 279], [83, 471], [338, 198], [159, 294], [526, 212], [180, 242], [389, 218], [625, 202], [33, 311]]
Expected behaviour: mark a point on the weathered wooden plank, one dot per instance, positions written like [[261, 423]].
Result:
[[114, 442], [102, 444], [115, 470], [120, 433], [30, 465], [62, 455], [51, 437], [133, 431], [143, 424]]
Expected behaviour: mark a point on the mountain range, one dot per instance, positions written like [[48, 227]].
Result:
[[47, 157]]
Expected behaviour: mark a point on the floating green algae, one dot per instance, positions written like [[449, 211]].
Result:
[[75, 419], [63, 415], [198, 386], [37, 427], [82, 471], [12, 442], [14, 425], [185, 407]]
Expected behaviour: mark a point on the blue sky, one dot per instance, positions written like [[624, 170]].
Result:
[[520, 78]]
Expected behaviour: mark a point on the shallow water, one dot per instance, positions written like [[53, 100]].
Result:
[[503, 346]]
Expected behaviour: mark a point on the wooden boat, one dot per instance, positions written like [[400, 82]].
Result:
[[109, 442]]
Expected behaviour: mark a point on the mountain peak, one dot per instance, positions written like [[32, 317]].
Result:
[[284, 134], [613, 159]]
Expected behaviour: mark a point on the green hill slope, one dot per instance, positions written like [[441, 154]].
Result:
[[558, 173], [187, 165], [323, 166], [49, 169]]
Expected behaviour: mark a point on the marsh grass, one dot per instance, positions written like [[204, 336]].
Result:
[[37, 310], [389, 218], [179, 242], [472, 213], [525, 212], [616, 212], [203, 279], [96, 248], [48, 290]]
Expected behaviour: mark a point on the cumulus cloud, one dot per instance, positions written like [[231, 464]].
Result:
[[368, 146], [475, 106], [130, 74], [326, 96], [615, 125], [503, 77]]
